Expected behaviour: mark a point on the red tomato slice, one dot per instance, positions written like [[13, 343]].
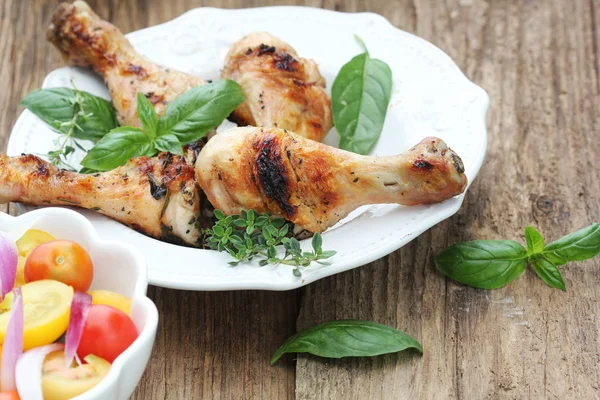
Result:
[[61, 260], [107, 333], [12, 395]]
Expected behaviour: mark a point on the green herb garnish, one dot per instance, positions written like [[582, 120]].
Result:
[[80, 115], [252, 235], [347, 338], [187, 119], [74, 113], [360, 96], [491, 264]]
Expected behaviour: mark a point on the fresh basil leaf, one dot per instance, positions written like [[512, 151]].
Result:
[[58, 107], [347, 338], [535, 240], [117, 147], [168, 143], [549, 273], [360, 96], [53, 106], [191, 115], [581, 245], [486, 264], [99, 117], [147, 115]]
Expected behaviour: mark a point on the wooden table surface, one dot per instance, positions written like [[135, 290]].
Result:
[[538, 60]]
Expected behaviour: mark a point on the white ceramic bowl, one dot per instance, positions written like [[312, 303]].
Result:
[[117, 267]]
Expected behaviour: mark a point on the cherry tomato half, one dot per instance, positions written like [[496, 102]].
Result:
[[25, 245], [107, 333], [61, 260], [12, 395]]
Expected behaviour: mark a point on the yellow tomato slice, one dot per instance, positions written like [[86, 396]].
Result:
[[113, 299], [46, 307], [32, 239], [62, 383], [20, 277]]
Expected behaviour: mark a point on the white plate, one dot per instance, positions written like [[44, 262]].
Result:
[[431, 96], [117, 267]]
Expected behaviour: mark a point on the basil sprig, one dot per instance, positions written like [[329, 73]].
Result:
[[187, 119], [89, 117], [360, 96], [491, 264], [73, 113], [347, 338]]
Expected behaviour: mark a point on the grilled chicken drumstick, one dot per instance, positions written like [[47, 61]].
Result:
[[282, 90], [313, 185], [88, 41], [157, 196]]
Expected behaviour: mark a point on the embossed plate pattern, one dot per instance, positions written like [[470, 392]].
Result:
[[431, 96]]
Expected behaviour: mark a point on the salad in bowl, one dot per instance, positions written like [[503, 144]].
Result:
[[75, 321]]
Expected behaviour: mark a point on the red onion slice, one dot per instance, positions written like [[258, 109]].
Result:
[[8, 264], [13, 343], [29, 371], [80, 306]]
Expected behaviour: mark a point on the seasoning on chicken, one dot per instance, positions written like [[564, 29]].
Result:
[[88, 41], [157, 196], [314, 185], [282, 90]]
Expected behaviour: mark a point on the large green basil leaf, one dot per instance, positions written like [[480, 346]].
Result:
[[347, 338], [581, 245], [191, 115], [58, 107], [486, 264], [117, 147], [360, 96]]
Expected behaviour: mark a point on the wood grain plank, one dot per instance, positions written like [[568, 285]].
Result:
[[217, 346], [537, 62]]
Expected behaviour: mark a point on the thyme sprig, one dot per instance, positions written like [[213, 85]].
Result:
[[66, 141], [252, 235]]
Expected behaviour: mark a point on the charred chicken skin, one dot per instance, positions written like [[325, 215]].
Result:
[[157, 196], [314, 185], [85, 40], [282, 89]]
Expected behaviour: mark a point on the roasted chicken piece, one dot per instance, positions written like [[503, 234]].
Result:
[[156, 196], [88, 41], [313, 185], [282, 90]]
